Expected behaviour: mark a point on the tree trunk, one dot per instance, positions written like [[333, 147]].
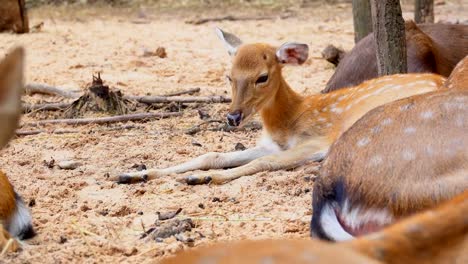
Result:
[[362, 18], [389, 34], [424, 11], [13, 16]]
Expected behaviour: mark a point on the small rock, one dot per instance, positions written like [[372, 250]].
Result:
[[195, 143], [203, 114], [139, 167], [68, 165], [216, 200], [168, 215], [161, 52], [85, 208], [201, 206], [240, 146], [62, 240]]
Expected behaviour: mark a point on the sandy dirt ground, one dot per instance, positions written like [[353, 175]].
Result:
[[79, 215]]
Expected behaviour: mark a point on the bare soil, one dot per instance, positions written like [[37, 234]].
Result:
[[79, 215]]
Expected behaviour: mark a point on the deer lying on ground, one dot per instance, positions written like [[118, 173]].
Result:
[[15, 219], [297, 129], [459, 77], [436, 236], [432, 48], [398, 159]]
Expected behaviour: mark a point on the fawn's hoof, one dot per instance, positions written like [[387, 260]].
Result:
[[129, 179], [193, 180]]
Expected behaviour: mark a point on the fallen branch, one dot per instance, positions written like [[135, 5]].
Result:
[[236, 18], [33, 88], [106, 120], [179, 99], [189, 91], [222, 127], [45, 107], [70, 131]]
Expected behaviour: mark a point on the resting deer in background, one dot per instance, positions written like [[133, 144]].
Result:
[[435, 48], [15, 219], [398, 159], [297, 129], [459, 77], [437, 236]]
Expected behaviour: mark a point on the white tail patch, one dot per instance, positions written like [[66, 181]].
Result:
[[21, 221], [351, 218], [331, 226]]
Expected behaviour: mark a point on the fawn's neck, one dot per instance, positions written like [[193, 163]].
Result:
[[281, 111]]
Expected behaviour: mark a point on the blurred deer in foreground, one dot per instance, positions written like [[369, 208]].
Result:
[[297, 129], [396, 160], [435, 236], [15, 219]]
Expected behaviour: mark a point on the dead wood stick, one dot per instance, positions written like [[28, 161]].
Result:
[[46, 107], [179, 99], [189, 91], [70, 131], [106, 120], [33, 88], [223, 126], [236, 18]]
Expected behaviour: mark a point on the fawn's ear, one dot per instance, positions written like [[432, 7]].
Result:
[[292, 53], [11, 88], [230, 41]]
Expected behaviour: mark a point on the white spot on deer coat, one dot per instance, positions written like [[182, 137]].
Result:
[[405, 107], [408, 154], [409, 130], [427, 115], [387, 121], [376, 129], [376, 160], [363, 142], [337, 110]]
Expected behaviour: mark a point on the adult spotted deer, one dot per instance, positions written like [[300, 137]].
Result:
[[459, 77], [15, 219], [297, 129], [435, 48], [398, 159], [439, 235]]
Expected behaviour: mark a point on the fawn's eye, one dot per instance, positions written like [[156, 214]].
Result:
[[228, 78], [262, 79]]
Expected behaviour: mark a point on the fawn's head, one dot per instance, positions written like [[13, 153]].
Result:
[[256, 73], [11, 85]]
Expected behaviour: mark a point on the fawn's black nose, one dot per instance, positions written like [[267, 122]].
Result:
[[234, 118]]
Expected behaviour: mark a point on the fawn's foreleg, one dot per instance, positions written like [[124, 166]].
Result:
[[292, 158], [206, 161]]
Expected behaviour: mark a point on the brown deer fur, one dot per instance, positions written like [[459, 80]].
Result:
[[437, 236], [15, 219], [297, 129], [398, 159], [459, 77], [435, 48]]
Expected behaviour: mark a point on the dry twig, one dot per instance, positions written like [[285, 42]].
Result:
[[33, 88], [106, 120], [236, 18]]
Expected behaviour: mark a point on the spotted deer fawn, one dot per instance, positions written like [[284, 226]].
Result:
[[436, 236], [396, 160], [297, 129], [15, 219]]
